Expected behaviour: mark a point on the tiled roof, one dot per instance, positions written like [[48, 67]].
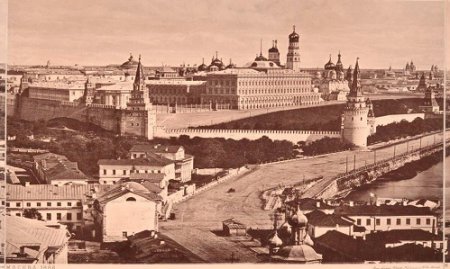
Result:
[[319, 218], [395, 236], [310, 204], [150, 160], [383, 210], [49, 192]]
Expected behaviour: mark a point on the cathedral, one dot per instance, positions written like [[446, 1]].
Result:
[[332, 82], [358, 119]]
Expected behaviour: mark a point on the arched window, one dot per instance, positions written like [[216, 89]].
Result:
[[131, 199]]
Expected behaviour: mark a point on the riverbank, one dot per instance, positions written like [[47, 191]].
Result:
[[416, 179]]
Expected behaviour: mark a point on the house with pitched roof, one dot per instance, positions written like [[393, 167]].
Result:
[[124, 210], [34, 241], [57, 170], [184, 163]]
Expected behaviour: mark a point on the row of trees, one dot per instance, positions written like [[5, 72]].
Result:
[[404, 129], [325, 145]]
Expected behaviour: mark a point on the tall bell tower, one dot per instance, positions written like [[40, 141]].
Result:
[[293, 55], [355, 127]]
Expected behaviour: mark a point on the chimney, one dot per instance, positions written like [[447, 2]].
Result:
[[350, 203], [377, 203], [318, 204], [405, 202], [162, 242], [27, 183]]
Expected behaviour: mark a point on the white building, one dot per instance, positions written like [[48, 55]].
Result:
[[124, 210]]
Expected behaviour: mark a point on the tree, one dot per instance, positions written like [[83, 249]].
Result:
[[32, 213]]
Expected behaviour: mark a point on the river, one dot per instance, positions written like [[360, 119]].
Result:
[[427, 184]]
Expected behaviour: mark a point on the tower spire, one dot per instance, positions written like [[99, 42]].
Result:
[[293, 27], [260, 47]]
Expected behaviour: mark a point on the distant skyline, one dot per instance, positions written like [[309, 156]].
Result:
[[380, 33]]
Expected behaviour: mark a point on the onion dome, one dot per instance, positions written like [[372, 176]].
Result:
[[274, 48], [299, 219], [130, 64], [231, 65], [286, 227], [318, 75], [294, 37], [298, 253], [275, 240], [203, 66], [330, 65]]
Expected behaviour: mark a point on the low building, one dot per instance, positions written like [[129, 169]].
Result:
[[180, 92], [36, 242], [395, 238], [57, 170], [320, 223], [184, 163], [124, 210], [390, 217], [116, 94], [111, 171], [231, 227], [57, 91]]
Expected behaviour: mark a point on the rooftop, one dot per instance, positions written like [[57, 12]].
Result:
[[49, 192], [149, 160], [319, 218], [383, 210]]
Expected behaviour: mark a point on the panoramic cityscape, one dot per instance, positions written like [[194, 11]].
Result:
[[308, 132]]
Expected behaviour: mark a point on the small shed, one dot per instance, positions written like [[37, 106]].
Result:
[[231, 227]]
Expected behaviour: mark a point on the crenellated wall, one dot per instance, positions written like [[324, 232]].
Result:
[[290, 135]]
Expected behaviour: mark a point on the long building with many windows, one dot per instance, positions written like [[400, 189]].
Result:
[[259, 87]]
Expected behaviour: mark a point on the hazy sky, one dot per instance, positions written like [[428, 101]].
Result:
[[3, 30], [381, 33]]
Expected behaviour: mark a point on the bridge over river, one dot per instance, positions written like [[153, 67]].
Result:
[[196, 217]]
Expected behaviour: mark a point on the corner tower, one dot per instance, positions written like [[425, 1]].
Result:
[[139, 118], [293, 55], [355, 128]]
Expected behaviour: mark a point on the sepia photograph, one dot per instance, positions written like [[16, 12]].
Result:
[[244, 132]]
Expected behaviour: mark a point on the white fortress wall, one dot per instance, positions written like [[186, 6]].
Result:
[[293, 136]]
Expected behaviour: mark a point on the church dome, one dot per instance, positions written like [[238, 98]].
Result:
[[298, 253], [294, 37], [299, 219], [275, 240], [260, 58], [130, 64], [273, 50], [330, 65], [202, 67]]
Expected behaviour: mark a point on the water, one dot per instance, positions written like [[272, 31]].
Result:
[[427, 184]]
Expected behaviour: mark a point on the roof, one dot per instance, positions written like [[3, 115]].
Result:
[[58, 167], [156, 148], [298, 253], [123, 188], [383, 210], [126, 86], [23, 232], [233, 224], [48, 155], [149, 160], [309, 204], [318, 218], [396, 236], [49, 192], [157, 177]]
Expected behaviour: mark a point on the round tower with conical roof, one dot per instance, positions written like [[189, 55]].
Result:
[[355, 128]]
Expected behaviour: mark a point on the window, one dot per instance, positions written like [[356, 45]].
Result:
[[18, 214], [428, 221], [368, 221], [17, 204], [131, 199], [124, 234], [49, 204], [104, 171], [79, 216], [28, 204], [124, 172], [58, 204], [408, 221], [377, 222], [58, 216], [358, 221], [69, 203], [38, 204], [49, 216], [69, 216], [388, 221], [399, 221], [418, 221], [114, 172], [7, 204]]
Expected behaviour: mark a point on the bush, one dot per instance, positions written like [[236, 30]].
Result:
[[325, 145]]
